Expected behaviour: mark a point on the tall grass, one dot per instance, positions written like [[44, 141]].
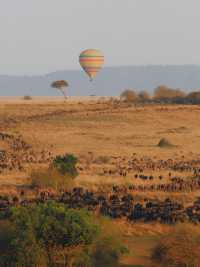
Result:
[[180, 248], [51, 178]]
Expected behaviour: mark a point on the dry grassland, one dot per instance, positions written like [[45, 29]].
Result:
[[105, 136], [92, 128]]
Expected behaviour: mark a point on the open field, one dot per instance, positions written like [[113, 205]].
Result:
[[116, 144]]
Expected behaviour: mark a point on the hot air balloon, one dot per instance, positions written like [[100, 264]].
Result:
[[91, 61]]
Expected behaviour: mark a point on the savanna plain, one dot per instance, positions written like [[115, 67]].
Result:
[[138, 165]]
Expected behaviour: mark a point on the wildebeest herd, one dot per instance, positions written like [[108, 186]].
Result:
[[180, 175], [19, 153], [145, 175], [116, 206]]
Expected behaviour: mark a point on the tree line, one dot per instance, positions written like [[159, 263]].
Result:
[[163, 95]]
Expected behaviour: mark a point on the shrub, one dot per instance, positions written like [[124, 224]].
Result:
[[107, 253], [165, 143], [66, 165], [180, 248], [108, 247], [27, 97]]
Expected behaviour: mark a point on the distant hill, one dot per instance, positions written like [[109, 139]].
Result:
[[109, 82]]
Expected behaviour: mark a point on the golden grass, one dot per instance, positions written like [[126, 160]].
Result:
[[83, 125]]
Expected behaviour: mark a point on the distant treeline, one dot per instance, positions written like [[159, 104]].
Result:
[[163, 95]]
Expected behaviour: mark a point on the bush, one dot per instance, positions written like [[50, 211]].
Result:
[[180, 248], [108, 247], [27, 97], [165, 143], [66, 165], [60, 175], [107, 253]]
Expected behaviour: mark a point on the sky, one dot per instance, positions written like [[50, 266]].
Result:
[[41, 36]]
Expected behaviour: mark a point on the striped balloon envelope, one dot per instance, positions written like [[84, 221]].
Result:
[[91, 60]]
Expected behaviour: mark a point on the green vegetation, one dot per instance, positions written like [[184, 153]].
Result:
[[59, 175], [51, 235], [66, 165]]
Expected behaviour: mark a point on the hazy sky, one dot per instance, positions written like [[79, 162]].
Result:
[[38, 36]]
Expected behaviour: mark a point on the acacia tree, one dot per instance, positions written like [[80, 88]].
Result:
[[62, 86], [144, 96], [167, 94], [129, 96]]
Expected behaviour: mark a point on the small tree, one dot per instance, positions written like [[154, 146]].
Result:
[[66, 165], [61, 85]]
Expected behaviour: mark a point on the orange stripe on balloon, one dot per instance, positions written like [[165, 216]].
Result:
[[91, 60]]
